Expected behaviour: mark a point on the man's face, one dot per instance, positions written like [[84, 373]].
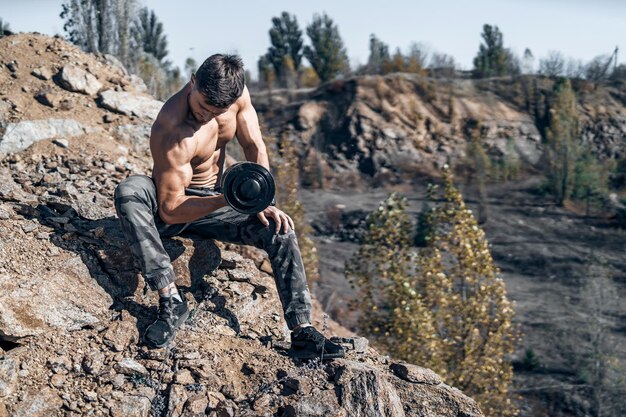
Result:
[[202, 111]]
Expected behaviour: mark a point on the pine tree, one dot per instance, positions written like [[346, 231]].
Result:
[[148, 33], [5, 29], [492, 58], [379, 56], [286, 46], [562, 148], [326, 54], [444, 308]]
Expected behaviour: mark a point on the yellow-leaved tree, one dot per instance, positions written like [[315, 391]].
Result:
[[444, 307]]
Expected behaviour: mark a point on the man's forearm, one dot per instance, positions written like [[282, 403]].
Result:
[[254, 154], [189, 208]]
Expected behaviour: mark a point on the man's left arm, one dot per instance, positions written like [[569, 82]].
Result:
[[249, 132], [250, 138]]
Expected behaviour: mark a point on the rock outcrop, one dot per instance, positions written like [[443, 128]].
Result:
[[72, 305], [387, 129]]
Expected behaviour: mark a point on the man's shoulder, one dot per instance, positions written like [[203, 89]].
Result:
[[244, 100], [171, 117]]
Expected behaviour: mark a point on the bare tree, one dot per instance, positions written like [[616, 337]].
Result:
[[553, 65]]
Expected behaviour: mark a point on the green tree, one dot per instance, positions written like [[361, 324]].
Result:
[[285, 52], [492, 58], [590, 180], [446, 307], [190, 67], [327, 55], [562, 136], [149, 35], [379, 56], [4, 28]]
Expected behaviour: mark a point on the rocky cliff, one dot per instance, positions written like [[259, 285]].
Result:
[[387, 129], [72, 305]]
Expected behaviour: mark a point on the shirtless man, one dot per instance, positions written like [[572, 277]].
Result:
[[188, 142]]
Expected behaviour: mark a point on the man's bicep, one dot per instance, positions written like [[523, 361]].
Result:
[[248, 130]]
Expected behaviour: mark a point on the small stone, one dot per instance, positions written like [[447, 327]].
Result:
[[415, 374], [119, 335], [128, 366], [93, 363], [239, 275], [8, 377], [42, 73], [63, 143], [90, 396], [57, 380], [131, 405], [215, 398], [13, 66], [4, 215], [262, 402], [196, 405], [110, 118], [60, 365], [29, 227], [184, 377], [176, 400], [230, 259], [266, 266], [118, 381]]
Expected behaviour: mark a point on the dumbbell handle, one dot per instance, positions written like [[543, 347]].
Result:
[[248, 187]]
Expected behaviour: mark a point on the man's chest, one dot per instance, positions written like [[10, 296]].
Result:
[[211, 138]]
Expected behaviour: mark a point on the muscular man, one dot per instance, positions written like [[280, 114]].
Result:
[[188, 142]]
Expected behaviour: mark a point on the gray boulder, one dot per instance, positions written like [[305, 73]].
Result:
[[75, 79], [19, 136], [130, 104]]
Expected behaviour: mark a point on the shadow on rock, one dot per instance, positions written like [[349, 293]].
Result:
[[102, 247]]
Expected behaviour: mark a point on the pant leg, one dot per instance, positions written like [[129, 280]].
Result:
[[228, 225], [137, 208]]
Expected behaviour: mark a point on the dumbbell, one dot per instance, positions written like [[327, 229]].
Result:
[[248, 187]]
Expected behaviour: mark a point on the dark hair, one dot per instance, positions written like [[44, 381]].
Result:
[[221, 79]]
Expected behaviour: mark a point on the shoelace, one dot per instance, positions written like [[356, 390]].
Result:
[[166, 309]]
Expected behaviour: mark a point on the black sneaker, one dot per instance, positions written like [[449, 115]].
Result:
[[308, 343], [172, 313]]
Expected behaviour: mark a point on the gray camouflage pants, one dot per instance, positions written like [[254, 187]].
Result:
[[136, 205]]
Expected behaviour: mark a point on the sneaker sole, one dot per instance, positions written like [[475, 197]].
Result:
[[312, 355], [159, 346]]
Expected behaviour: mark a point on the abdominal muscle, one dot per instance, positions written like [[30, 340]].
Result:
[[205, 173]]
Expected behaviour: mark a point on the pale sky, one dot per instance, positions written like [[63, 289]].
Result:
[[580, 29]]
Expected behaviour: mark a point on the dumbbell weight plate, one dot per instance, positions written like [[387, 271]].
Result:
[[248, 187]]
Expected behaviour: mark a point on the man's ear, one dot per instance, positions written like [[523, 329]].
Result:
[[193, 78]]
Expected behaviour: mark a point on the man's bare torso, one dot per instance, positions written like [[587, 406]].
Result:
[[174, 123]]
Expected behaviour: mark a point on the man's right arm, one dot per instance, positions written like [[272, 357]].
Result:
[[172, 173]]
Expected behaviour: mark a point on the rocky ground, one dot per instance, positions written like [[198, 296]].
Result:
[[72, 305]]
